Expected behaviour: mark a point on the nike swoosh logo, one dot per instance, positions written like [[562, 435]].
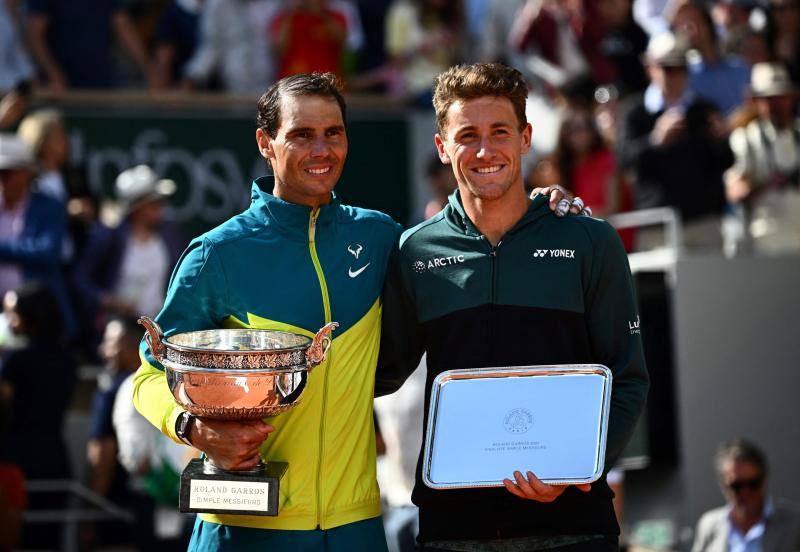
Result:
[[353, 273]]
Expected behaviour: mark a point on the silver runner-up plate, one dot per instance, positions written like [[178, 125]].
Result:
[[486, 423]]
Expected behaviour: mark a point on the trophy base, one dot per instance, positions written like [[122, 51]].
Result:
[[215, 491]]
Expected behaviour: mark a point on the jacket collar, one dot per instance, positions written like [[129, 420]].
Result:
[[290, 217], [457, 216]]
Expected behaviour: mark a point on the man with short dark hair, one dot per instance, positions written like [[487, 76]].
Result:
[[502, 303], [751, 520], [295, 260]]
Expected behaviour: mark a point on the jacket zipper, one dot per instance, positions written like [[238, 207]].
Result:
[[493, 255], [493, 291], [312, 230]]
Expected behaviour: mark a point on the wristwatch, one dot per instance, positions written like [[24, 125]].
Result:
[[183, 427]]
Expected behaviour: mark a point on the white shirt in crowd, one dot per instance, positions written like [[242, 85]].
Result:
[[143, 275]]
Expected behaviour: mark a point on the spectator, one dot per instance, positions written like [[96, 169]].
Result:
[[15, 66], [784, 34], [500, 18], [36, 385], [233, 45], [46, 135], [563, 37], [763, 182], [176, 39], [152, 460], [441, 183], [309, 36], [751, 47], [355, 29], [658, 113], [731, 20], [721, 80], [124, 269], [751, 520], [120, 353], [372, 14], [685, 171], [422, 37], [32, 228], [623, 44], [376, 73], [660, 127], [586, 166], [72, 42]]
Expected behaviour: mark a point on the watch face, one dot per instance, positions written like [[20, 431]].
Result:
[[183, 424]]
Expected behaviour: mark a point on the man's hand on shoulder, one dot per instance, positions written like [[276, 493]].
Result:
[[230, 445], [562, 201], [533, 488]]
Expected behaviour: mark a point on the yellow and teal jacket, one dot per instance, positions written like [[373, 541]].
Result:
[[287, 267]]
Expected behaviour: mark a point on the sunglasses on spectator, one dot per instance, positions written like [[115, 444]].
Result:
[[738, 485]]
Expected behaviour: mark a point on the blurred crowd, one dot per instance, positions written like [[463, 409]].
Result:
[[628, 85], [684, 104], [72, 285]]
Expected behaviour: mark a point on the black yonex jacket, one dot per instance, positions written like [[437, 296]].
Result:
[[553, 291]]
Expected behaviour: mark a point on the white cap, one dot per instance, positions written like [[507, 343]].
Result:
[[770, 79], [668, 50], [14, 152], [139, 184]]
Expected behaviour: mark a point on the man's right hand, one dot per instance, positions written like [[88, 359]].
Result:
[[668, 127], [230, 445]]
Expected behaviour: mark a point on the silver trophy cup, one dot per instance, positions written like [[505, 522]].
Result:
[[235, 374]]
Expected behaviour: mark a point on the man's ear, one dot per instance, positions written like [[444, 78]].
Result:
[[527, 133], [439, 141], [264, 145]]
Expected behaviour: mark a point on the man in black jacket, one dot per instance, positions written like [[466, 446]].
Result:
[[673, 143], [496, 279]]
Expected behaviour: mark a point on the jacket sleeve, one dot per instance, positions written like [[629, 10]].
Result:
[[614, 333], [401, 340], [196, 300], [41, 246]]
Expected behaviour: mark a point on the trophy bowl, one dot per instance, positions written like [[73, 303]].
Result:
[[237, 374]]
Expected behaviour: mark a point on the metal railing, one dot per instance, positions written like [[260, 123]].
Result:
[[659, 259], [100, 509]]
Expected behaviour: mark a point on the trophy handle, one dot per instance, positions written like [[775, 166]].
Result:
[[154, 337], [315, 354]]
